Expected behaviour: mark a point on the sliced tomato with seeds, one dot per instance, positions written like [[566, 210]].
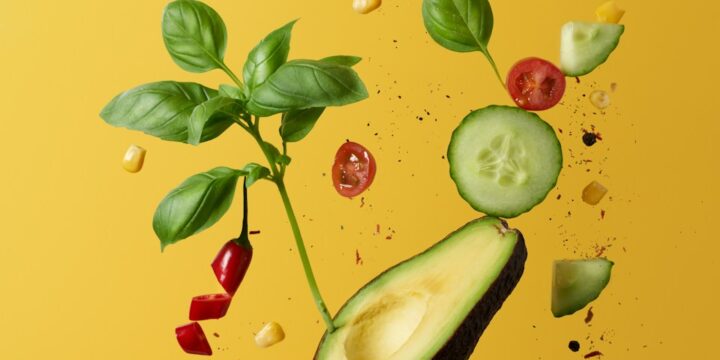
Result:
[[535, 84], [353, 170]]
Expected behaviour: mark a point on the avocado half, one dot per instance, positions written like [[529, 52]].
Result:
[[434, 305]]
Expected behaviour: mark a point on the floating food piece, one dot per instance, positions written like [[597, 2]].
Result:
[[574, 346], [366, 6], [589, 138], [231, 264], [354, 170], [535, 84], [600, 99], [609, 12], [593, 193], [209, 306], [192, 340], [576, 283], [271, 334], [134, 158], [584, 46], [434, 305]]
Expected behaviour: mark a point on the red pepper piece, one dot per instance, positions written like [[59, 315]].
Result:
[[209, 306], [192, 339], [231, 264]]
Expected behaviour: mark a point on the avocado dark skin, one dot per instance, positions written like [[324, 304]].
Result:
[[462, 344]]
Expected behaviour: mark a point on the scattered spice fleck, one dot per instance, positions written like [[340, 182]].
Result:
[[362, 201], [593, 354], [254, 232], [602, 214], [216, 335], [589, 316], [574, 346], [613, 87], [577, 79], [559, 196], [358, 259], [589, 138], [389, 237], [377, 228]]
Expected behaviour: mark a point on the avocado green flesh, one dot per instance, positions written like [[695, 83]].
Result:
[[577, 283], [584, 46], [504, 160], [415, 309]]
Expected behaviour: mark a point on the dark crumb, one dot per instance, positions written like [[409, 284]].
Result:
[[574, 346], [560, 130], [254, 232], [577, 79], [362, 201], [589, 138], [593, 354], [613, 87], [559, 196], [216, 335], [589, 316], [389, 237], [602, 214], [358, 259], [447, 96]]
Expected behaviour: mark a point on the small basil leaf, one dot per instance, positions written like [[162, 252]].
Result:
[[255, 172], [272, 151], [296, 124], [232, 92], [160, 109], [195, 205], [460, 25], [284, 160], [345, 60], [302, 84], [212, 118], [194, 35], [267, 56]]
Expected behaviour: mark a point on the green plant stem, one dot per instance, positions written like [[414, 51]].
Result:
[[304, 258], [232, 75], [492, 63], [278, 179]]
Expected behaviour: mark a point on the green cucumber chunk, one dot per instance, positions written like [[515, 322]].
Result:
[[584, 46], [504, 160], [576, 283]]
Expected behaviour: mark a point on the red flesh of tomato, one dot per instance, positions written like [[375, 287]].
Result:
[[535, 84], [353, 170]]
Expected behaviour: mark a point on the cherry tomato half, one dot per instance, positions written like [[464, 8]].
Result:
[[353, 170], [535, 84]]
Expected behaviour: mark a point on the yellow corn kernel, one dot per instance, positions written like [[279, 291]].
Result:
[[600, 99], [609, 12], [593, 193], [366, 6], [134, 158], [271, 334]]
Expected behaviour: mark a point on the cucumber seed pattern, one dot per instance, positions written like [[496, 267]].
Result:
[[504, 161]]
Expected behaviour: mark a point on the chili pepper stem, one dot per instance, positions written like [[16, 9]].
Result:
[[304, 258]]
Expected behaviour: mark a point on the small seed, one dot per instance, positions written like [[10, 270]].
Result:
[[366, 6], [600, 99], [271, 334], [593, 193], [134, 158]]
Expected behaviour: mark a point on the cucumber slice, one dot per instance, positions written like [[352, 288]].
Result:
[[584, 46], [576, 283], [504, 160]]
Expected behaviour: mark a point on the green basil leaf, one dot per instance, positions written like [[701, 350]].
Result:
[[267, 56], [160, 109], [195, 205], [255, 172], [212, 118], [194, 35], [272, 151], [346, 60], [284, 160], [296, 124], [232, 92], [302, 84], [460, 25]]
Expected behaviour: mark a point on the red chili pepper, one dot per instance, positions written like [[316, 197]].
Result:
[[209, 306], [192, 339], [231, 264]]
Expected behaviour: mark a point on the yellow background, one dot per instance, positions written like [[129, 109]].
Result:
[[81, 273]]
